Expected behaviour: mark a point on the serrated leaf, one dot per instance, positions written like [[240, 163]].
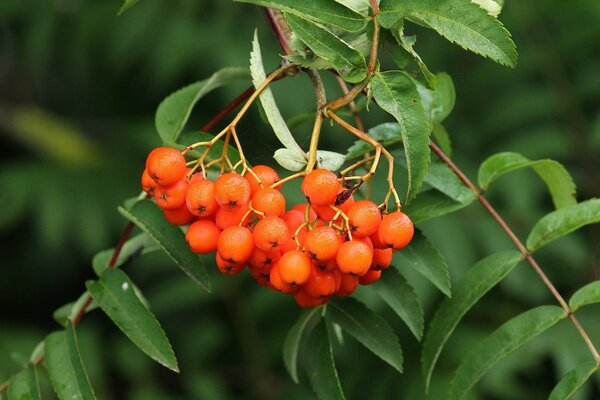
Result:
[[368, 328], [589, 294], [396, 93], [330, 160], [65, 368], [290, 160], [573, 380], [387, 134], [68, 312], [401, 297], [320, 365], [407, 44], [24, 385], [475, 283], [441, 136], [127, 4], [438, 103], [174, 111], [421, 256], [432, 204], [114, 292], [348, 62], [555, 176], [267, 100], [507, 339], [360, 6], [325, 12], [291, 345], [460, 21], [562, 222], [490, 6], [136, 246], [150, 219]]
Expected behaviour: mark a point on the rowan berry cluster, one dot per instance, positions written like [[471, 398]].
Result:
[[313, 251]]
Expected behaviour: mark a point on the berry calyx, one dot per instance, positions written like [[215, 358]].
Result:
[[322, 243], [270, 233], [232, 190], [294, 267], [235, 244]]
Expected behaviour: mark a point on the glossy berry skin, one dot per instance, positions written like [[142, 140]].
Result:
[[269, 201], [396, 230], [320, 283], [354, 257], [232, 190], [293, 219], [202, 236], [365, 218], [235, 244], [166, 166], [294, 267], [304, 300], [369, 277], [382, 258], [180, 216], [267, 176], [322, 243], [278, 284], [172, 197], [270, 233], [228, 267], [261, 259], [348, 285], [326, 213], [148, 184], [226, 217], [377, 241], [302, 208], [320, 187], [200, 197], [329, 265]]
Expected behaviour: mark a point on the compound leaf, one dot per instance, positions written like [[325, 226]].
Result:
[[24, 385], [589, 294], [291, 345], [573, 380]]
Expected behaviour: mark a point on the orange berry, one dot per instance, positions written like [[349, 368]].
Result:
[[269, 201], [376, 240], [327, 213], [200, 197], [202, 236], [172, 197], [270, 233], [382, 258], [320, 283], [329, 265], [166, 166], [278, 284], [293, 219], [322, 243], [369, 277], [302, 208], [291, 243], [261, 275], [263, 259], [179, 216], [364, 218], [348, 285], [294, 267], [354, 257], [304, 300], [228, 267], [196, 177], [320, 186], [365, 240], [232, 190], [148, 183], [226, 217], [396, 230], [267, 176], [235, 244]]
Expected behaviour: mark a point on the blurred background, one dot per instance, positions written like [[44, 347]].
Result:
[[78, 91]]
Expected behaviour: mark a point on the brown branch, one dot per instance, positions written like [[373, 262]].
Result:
[[230, 107], [281, 29], [526, 254]]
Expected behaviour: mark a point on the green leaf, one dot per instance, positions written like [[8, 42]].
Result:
[[387, 134], [325, 12], [291, 345], [441, 136], [573, 380], [137, 245], [401, 297], [557, 178], [421, 256], [65, 368], [24, 385], [432, 204], [149, 218], [476, 282], [330, 160], [589, 294], [174, 111], [460, 21], [348, 62], [289, 159], [438, 103], [115, 295], [368, 328], [407, 44], [396, 93], [268, 101], [360, 6], [507, 339], [320, 365], [490, 6], [69, 312], [127, 4], [562, 222]]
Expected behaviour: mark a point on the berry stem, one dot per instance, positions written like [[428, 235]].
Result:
[[288, 179], [315, 78], [356, 165], [526, 254]]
